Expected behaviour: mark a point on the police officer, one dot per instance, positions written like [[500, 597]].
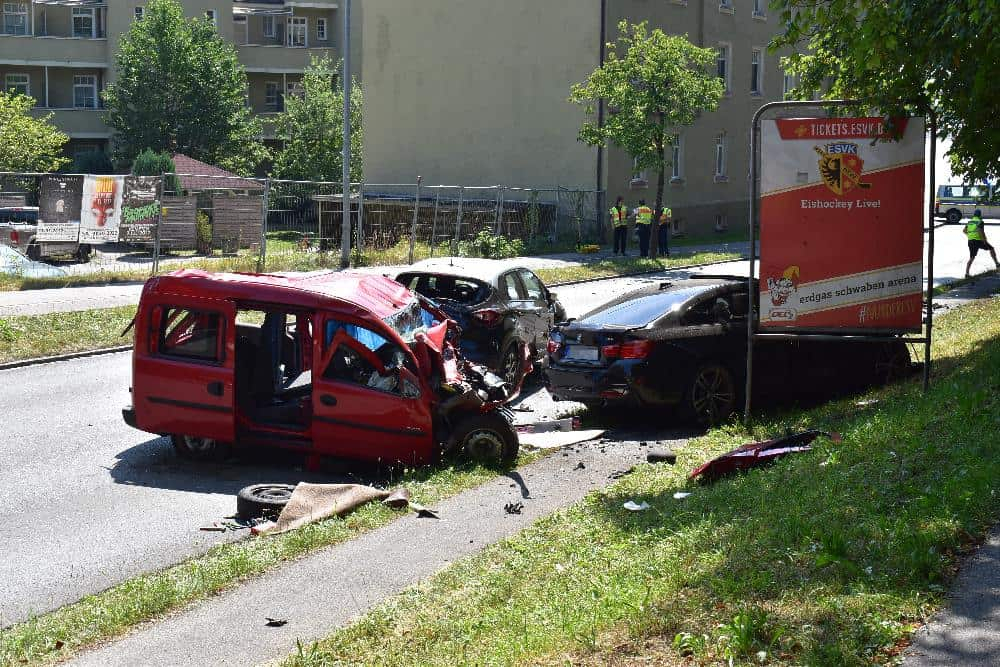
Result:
[[975, 231], [663, 232], [619, 222], [643, 225]]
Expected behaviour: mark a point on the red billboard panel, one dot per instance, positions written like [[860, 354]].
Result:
[[841, 225]]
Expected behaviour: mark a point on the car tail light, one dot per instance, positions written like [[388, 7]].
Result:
[[13, 236], [633, 349], [488, 317]]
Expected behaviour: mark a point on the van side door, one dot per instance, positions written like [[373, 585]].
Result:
[[183, 375]]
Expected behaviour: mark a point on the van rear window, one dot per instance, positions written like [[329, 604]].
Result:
[[192, 334]]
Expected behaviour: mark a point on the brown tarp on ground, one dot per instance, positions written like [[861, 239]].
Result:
[[315, 502]]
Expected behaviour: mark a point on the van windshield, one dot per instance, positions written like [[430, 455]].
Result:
[[410, 320]]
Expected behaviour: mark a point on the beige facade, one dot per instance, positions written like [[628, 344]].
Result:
[[63, 55], [476, 93]]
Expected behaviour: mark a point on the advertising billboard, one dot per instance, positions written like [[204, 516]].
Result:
[[841, 225], [59, 209], [140, 209], [100, 214]]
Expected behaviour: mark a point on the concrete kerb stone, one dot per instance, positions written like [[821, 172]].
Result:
[[63, 357]]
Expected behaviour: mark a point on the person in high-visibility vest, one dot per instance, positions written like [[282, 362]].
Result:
[[643, 225], [663, 232], [975, 231], [619, 222]]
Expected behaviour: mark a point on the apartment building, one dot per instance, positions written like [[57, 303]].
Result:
[[62, 52], [475, 92]]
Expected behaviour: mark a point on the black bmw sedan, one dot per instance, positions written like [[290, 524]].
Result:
[[683, 343]]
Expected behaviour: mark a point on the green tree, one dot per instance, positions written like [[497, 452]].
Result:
[[28, 143], [652, 83], [151, 163], [906, 57], [312, 126], [181, 88]]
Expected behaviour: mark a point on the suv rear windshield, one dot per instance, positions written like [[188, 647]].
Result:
[[642, 310], [445, 287]]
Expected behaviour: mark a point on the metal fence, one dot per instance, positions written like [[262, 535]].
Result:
[[230, 222]]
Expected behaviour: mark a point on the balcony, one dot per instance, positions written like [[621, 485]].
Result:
[[32, 51], [77, 123], [278, 58]]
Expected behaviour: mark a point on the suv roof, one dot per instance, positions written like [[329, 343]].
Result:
[[375, 294]]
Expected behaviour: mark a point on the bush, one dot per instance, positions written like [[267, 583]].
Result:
[[492, 246], [92, 162], [150, 163], [203, 233]]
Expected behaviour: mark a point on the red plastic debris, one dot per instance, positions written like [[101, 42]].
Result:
[[757, 454]]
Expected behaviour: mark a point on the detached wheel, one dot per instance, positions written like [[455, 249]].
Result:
[[711, 398], [200, 449], [486, 438], [512, 362], [263, 500], [954, 216]]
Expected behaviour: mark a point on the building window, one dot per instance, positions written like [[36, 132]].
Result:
[[267, 25], [720, 157], [726, 6], [321, 30], [15, 18], [758, 8], [85, 91], [295, 89], [787, 83], [757, 71], [137, 13], [722, 65], [676, 155], [272, 96], [83, 22], [17, 83], [639, 178], [210, 15], [297, 27], [720, 222]]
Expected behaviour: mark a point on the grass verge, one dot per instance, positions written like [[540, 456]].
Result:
[[831, 557], [62, 633], [609, 268], [29, 336]]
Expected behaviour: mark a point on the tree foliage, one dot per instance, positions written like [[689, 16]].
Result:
[[181, 88], [151, 163], [653, 83], [312, 126], [906, 57], [28, 143]]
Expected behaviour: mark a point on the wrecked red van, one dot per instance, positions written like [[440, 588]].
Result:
[[340, 364]]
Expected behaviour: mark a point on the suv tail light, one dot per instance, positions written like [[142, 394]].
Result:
[[633, 349], [488, 317], [13, 236]]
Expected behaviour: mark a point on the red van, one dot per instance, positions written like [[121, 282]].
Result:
[[342, 364]]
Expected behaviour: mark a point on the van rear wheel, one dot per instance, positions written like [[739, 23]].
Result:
[[200, 449], [954, 216]]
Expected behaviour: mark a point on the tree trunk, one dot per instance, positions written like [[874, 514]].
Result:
[[654, 232]]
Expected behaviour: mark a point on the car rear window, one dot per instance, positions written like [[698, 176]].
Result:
[[642, 310], [446, 288]]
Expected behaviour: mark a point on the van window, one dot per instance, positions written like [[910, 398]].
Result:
[[191, 334], [348, 365]]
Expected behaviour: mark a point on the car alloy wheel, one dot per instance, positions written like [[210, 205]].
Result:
[[486, 438], [199, 449], [892, 364], [713, 394], [511, 364]]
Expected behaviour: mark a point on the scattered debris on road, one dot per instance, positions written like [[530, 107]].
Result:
[[315, 502], [275, 622], [398, 499], [757, 454], [633, 506], [580, 466], [513, 508], [681, 495]]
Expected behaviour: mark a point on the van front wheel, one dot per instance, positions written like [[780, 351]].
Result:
[[200, 449]]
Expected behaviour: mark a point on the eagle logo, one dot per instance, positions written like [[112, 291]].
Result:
[[840, 167]]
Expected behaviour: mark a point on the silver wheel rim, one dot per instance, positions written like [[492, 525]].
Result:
[[199, 445], [713, 394], [484, 444], [510, 371]]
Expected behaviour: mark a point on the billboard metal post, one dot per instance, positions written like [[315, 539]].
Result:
[[416, 215], [159, 222], [265, 204], [458, 221], [753, 323], [345, 229], [434, 222]]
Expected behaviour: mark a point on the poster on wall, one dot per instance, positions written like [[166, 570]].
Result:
[[59, 209], [140, 209], [841, 225], [100, 214]]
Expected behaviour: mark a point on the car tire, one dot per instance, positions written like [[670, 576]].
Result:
[[712, 394], [893, 363], [33, 251], [954, 216], [263, 500], [485, 438], [511, 367], [200, 449]]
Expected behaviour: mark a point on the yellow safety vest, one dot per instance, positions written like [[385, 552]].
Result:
[[619, 216], [974, 230], [666, 215], [644, 216]]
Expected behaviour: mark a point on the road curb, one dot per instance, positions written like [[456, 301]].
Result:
[[62, 357], [741, 258]]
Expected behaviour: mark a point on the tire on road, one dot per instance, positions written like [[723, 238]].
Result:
[[485, 438], [200, 449], [263, 500], [712, 394], [954, 216], [511, 367]]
